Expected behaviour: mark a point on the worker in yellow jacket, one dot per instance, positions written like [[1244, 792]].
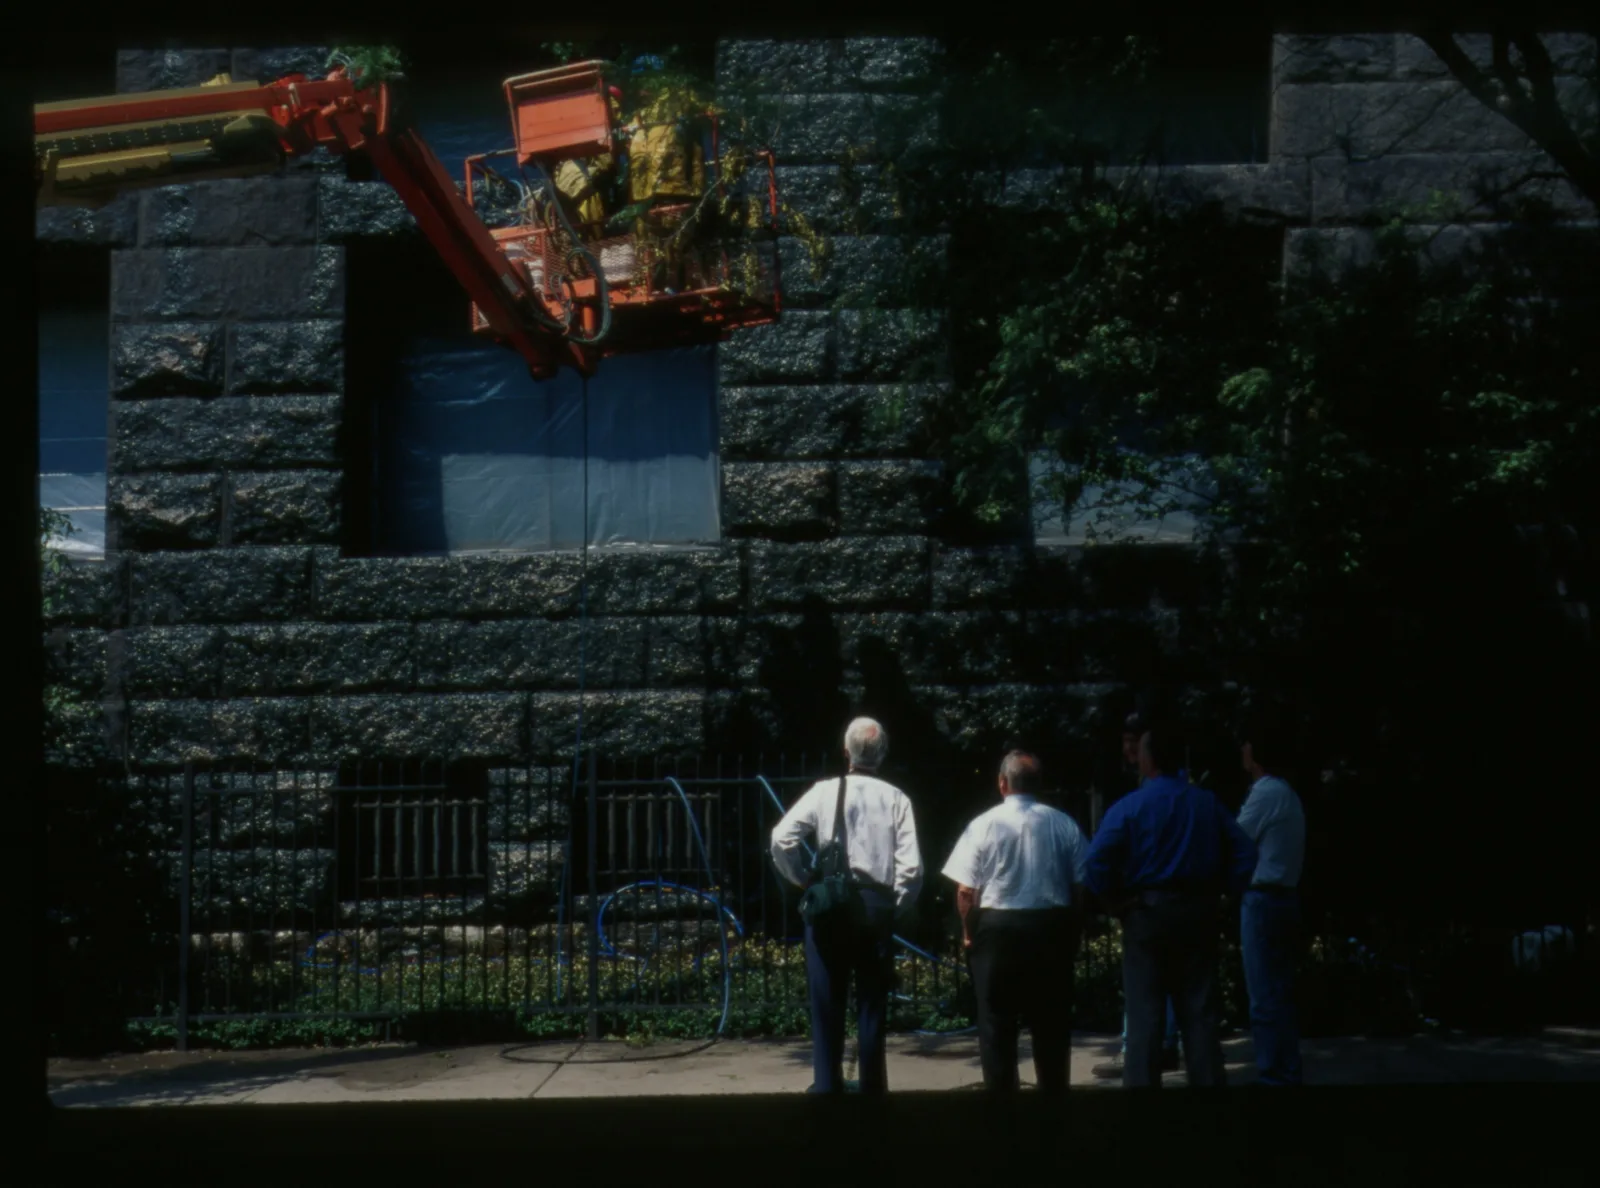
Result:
[[583, 183], [666, 163]]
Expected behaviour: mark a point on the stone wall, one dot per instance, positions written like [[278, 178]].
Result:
[[1377, 124], [227, 623]]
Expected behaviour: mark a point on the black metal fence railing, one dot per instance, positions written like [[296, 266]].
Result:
[[578, 899]]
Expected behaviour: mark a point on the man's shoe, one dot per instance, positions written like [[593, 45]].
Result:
[[1110, 1070]]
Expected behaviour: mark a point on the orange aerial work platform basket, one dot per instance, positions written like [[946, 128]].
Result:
[[661, 288]]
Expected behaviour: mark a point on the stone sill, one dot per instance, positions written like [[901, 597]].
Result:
[[609, 550]]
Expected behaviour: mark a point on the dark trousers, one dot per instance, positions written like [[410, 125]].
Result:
[[1269, 939], [1022, 973], [833, 952], [1169, 948]]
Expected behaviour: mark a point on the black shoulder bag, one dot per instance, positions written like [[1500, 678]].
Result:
[[832, 896]]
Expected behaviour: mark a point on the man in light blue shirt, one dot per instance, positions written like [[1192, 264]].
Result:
[[1269, 915]]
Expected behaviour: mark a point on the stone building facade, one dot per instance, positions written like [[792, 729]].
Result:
[[228, 619]]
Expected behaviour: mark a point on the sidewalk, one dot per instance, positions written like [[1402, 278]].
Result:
[[403, 1072]]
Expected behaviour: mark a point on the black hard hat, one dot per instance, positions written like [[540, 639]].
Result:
[[1135, 724]]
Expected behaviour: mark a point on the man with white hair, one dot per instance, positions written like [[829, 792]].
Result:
[[879, 842]]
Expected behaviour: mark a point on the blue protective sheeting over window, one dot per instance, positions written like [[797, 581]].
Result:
[[74, 349], [481, 457], [474, 455]]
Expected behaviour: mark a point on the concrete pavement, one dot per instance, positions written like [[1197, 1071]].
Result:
[[402, 1072]]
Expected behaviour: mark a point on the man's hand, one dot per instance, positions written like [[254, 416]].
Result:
[[966, 901]]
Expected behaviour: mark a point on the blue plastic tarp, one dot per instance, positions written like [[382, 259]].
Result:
[[481, 457], [74, 395]]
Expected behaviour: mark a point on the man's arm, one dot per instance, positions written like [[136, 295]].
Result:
[[1079, 859], [907, 856], [1253, 813], [965, 869], [1103, 865], [1242, 852], [789, 835]]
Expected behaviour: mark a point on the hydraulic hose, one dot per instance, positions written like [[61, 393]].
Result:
[[601, 288]]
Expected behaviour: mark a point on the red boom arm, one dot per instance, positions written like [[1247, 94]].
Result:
[[333, 114]]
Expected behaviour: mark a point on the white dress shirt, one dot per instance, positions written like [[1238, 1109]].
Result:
[[1276, 822], [880, 833], [1020, 855]]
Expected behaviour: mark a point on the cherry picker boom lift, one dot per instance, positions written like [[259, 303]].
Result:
[[556, 294]]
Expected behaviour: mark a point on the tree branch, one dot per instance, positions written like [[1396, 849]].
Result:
[[1541, 73], [1540, 117], [1501, 48]]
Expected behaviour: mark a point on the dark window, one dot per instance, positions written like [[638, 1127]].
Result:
[[409, 830], [58, 83], [1204, 99], [1211, 98], [73, 290]]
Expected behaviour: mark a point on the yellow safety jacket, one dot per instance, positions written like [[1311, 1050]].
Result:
[[579, 181], [664, 163]]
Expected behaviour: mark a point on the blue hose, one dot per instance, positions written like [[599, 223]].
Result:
[[610, 951], [711, 879], [605, 940]]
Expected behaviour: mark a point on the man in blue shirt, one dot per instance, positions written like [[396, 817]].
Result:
[[1161, 859], [1269, 916], [1132, 731]]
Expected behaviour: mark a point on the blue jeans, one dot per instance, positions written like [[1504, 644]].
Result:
[[1269, 930], [1171, 1044], [834, 951]]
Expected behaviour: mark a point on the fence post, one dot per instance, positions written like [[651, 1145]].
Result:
[[593, 928], [185, 885]]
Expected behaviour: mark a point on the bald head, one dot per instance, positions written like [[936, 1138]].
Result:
[[1019, 774], [867, 744]]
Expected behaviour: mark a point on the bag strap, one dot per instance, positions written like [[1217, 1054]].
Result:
[[840, 830]]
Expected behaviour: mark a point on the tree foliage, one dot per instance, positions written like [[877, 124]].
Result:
[[1372, 437], [369, 65]]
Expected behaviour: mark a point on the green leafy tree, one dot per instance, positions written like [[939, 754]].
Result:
[[369, 65]]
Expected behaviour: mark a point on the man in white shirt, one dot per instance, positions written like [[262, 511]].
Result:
[[1269, 914], [1018, 871], [886, 867]]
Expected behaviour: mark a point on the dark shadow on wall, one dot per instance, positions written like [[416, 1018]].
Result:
[[803, 672], [947, 788], [111, 909]]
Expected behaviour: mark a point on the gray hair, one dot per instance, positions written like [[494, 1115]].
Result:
[[1020, 770], [867, 744]]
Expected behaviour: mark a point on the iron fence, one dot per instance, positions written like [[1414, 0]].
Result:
[[588, 898]]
